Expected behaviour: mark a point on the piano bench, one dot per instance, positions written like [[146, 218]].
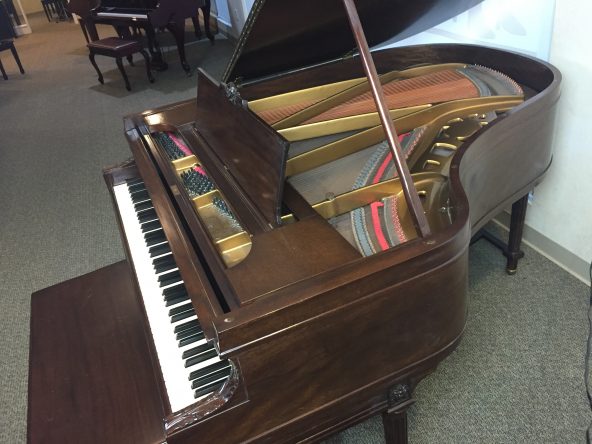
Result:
[[118, 48]]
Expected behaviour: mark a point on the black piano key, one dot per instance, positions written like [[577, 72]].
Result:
[[191, 339], [186, 325], [181, 316], [160, 261], [174, 292], [154, 237], [201, 357], [219, 376], [159, 249], [140, 196], [146, 205], [136, 181], [204, 371], [136, 189], [150, 226], [180, 309], [209, 388], [169, 278], [189, 332], [176, 300], [195, 351], [181, 312], [164, 265], [146, 216]]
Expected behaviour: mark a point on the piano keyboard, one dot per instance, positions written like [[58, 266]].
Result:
[[190, 366], [131, 16]]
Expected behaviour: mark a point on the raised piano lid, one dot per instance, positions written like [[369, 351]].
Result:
[[284, 35]]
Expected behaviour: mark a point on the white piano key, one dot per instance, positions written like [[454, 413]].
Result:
[[174, 373]]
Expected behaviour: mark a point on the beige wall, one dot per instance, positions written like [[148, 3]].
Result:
[[31, 6], [561, 209]]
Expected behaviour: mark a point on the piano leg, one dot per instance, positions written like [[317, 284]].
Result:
[[155, 54], [513, 252], [148, 71], [178, 31], [206, 14], [196, 27], [512, 249], [394, 419]]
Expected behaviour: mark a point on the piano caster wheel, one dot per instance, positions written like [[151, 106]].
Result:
[[187, 70], [511, 271]]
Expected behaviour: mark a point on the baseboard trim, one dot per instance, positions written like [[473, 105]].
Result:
[[224, 28], [571, 263]]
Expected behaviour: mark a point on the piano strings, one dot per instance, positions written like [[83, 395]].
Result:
[[336, 177]]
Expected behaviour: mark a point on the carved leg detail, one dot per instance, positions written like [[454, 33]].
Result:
[[122, 70], [515, 238], [148, 71], [394, 419], [91, 56], [178, 31]]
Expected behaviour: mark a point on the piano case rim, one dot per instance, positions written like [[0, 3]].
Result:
[[248, 314]]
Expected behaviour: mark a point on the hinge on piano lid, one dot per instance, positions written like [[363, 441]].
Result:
[[233, 95]]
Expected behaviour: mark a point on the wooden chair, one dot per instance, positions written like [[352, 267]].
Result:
[[118, 48], [55, 9], [9, 44]]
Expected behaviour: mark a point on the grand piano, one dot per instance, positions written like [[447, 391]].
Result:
[[147, 15], [294, 264]]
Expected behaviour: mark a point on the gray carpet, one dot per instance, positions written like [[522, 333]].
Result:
[[517, 375]]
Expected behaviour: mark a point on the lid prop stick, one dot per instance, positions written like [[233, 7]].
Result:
[[411, 196]]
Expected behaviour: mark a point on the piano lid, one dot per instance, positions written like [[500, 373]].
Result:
[[284, 35]]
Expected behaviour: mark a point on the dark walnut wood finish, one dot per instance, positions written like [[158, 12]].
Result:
[[320, 337]]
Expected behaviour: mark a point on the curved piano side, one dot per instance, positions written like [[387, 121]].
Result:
[[505, 161]]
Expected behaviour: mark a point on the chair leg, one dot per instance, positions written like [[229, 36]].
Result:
[[130, 59], [83, 27], [16, 57], [196, 27], [120, 66], [3, 72], [46, 12], [206, 15], [148, 71], [91, 56]]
